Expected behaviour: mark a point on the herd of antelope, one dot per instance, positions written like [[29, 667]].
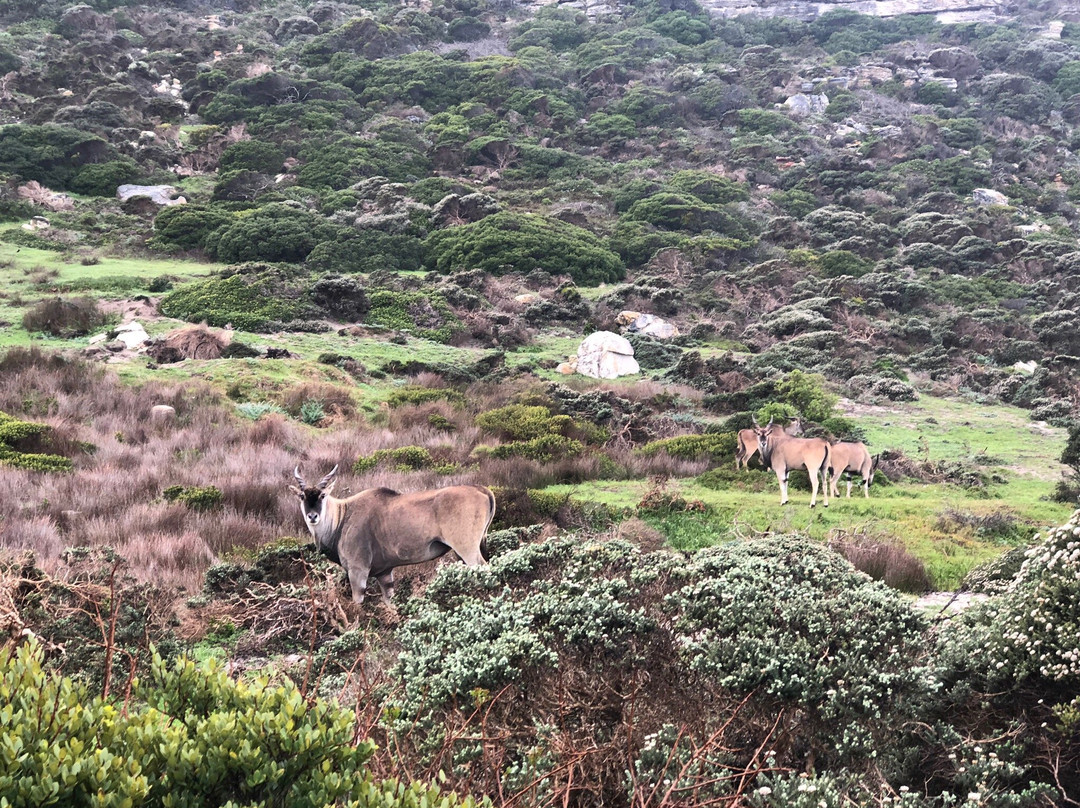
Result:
[[373, 532], [782, 451]]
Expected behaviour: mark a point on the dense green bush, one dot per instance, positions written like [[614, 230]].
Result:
[[191, 735], [404, 458], [717, 447], [423, 395], [781, 622], [253, 155], [19, 439], [522, 242], [102, 179], [274, 232], [49, 154], [523, 422], [185, 227], [252, 297], [198, 498], [425, 315]]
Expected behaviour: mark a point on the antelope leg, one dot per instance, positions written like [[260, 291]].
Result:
[[358, 581], [386, 586]]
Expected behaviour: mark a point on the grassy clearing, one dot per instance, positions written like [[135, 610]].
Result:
[[939, 523]]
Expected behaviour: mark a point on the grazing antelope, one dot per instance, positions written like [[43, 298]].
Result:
[[376, 530], [782, 453], [748, 445], [848, 457]]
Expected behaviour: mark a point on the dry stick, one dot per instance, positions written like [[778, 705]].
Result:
[[746, 775], [110, 639], [314, 634]]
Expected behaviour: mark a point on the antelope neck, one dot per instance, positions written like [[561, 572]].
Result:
[[328, 532]]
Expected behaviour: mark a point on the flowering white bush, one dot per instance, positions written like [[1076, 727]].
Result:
[[1036, 622]]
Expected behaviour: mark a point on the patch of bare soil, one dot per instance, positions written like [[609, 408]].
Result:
[[139, 307]]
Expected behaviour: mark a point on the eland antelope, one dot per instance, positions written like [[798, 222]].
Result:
[[845, 458], [747, 445], [376, 530], [782, 453]]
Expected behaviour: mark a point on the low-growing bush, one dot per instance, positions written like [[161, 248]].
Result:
[[718, 446], [403, 458], [65, 317], [523, 422], [184, 734], [425, 315], [254, 297], [198, 498], [254, 410], [886, 561], [542, 449], [422, 395], [19, 442]]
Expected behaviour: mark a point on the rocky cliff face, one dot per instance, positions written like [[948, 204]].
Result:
[[947, 11]]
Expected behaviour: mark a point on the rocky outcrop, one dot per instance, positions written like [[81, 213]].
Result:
[[146, 199], [946, 10], [988, 196], [802, 105]]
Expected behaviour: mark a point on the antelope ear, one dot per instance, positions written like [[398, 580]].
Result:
[[296, 491], [329, 487]]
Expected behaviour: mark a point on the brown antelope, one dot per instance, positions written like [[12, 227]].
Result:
[[848, 457], [782, 453], [748, 447], [374, 531]]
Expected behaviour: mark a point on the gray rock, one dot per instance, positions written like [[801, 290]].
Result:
[[988, 196], [160, 194], [802, 105]]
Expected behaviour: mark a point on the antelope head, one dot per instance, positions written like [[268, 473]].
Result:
[[313, 499]]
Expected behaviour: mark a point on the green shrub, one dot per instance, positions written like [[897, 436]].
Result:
[[717, 447], [404, 458], [186, 227], [190, 733], [425, 315], [311, 412], [274, 232], [542, 449], [254, 410], [49, 154], [1032, 630], [102, 179], [198, 498], [522, 422], [253, 297], [522, 242], [16, 435], [423, 395]]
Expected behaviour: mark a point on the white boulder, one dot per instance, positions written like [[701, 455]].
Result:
[[802, 104], [606, 355], [650, 325], [132, 334], [988, 196]]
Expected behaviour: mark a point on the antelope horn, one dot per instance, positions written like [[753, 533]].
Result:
[[770, 422], [754, 419], [325, 481], [299, 478]]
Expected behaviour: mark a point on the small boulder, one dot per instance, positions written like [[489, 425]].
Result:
[[606, 355], [650, 325], [132, 335], [988, 196], [141, 199], [162, 415], [802, 105]]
